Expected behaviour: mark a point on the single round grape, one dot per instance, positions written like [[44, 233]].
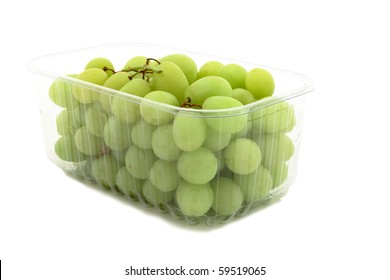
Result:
[[185, 63], [101, 63], [279, 174], [66, 150], [260, 82], [154, 196], [275, 148], [242, 156], [67, 123], [255, 186], [139, 161], [127, 184], [137, 87], [206, 87], [171, 79], [117, 135], [135, 62], [80, 113], [86, 95], [60, 92], [189, 130], [234, 74], [141, 134], [163, 144], [116, 81], [243, 95], [228, 197], [216, 140], [225, 122], [154, 115], [198, 167], [88, 143], [104, 169], [164, 175], [210, 68], [95, 121], [194, 200]]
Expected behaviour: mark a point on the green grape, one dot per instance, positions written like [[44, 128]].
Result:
[[210, 68], [60, 92], [164, 175], [163, 144], [194, 200], [66, 150], [186, 64], [255, 186], [105, 169], [234, 74], [80, 113], [197, 167], [206, 87], [154, 196], [127, 184], [279, 174], [139, 161], [101, 63], [117, 135], [216, 140], [242, 156], [228, 197], [120, 156], [260, 82], [95, 121], [189, 130], [278, 117], [275, 148], [243, 95], [141, 134], [137, 87], [228, 122], [67, 123], [154, 115], [88, 143], [171, 79], [116, 81], [86, 95]]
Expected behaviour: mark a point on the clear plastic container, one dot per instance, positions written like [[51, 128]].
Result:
[[228, 173]]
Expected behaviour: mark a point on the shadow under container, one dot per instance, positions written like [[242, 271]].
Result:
[[202, 166]]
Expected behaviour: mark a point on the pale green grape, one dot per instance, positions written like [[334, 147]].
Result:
[[255, 186], [139, 161], [242, 156], [137, 87], [101, 63], [95, 121], [117, 135], [120, 156], [189, 130], [116, 81], [228, 197], [170, 79], [216, 140], [163, 144], [275, 148], [228, 122], [243, 95], [164, 175], [86, 95], [206, 87], [210, 68], [135, 62], [197, 167], [194, 200], [279, 174], [66, 150], [67, 123], [234, 74], [80, 113], [278, 117], [104, 169], [186, 64], [141, 134], [154, 196], [154, 115], [127, 184], [60, 92], [260, 82], [88, 143]]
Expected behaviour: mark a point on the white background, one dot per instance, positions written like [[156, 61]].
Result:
[[334, 222]]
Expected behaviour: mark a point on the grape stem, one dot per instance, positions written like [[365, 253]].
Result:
[[187, 103]]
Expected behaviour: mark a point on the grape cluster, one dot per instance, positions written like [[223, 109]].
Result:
[[167, 147]]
